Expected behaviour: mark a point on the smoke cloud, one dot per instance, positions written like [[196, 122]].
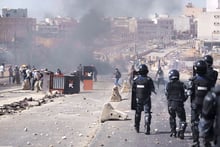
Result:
[[78, 8], [77, 48]]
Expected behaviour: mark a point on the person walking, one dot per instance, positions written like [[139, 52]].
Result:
[[117, 75], [159, 76], [175, 93], [199, 86], [11, 76], [142, 88], [2, 69]]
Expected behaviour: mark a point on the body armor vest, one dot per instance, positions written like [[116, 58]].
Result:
[[202, 86], [143, 87], [175, 91]]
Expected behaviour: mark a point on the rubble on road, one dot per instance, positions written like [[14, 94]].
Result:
[[26, 103], [109, 113]]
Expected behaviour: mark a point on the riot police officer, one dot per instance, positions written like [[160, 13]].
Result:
[[210, 120], [211, 73], [175, 93], [200, 84], [141, 94]]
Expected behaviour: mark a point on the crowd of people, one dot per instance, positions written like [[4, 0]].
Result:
[[30, 78], [204, 97]]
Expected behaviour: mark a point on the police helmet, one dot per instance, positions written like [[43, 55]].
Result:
[[208, 59], [174, 74], [200, 67], [143, 69]]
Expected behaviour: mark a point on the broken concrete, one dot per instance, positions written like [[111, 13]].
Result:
[[109, 113], [116, 97], [125, 87]]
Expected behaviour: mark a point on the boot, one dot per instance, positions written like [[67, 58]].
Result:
[[181, 134], [196, 144], [147, 130], [207, 144], [173, 134], [137, 129]]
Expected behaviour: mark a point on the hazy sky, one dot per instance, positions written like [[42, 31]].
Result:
[[76, 8]]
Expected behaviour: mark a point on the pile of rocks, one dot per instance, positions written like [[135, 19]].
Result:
[[26, 103]]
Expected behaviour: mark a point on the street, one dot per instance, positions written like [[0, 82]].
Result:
[[74, 120], [122, 133]]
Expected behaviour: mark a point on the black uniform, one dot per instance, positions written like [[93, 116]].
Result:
[[175, 92], [200, 85], [141, 92], [210, 121], [211, 73]]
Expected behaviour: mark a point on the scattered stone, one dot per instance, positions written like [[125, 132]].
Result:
[[25, 129], [64, 137], [80, 135], [28, 143]]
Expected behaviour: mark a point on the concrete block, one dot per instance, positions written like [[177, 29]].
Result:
[[109, 113], [115, 97], [125, 87]]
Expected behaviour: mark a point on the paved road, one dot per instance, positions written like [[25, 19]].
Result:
[[74, 120], [122, 133], [71, 120]]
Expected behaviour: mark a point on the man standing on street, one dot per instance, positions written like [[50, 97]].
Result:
[[209, 124], [141, 98], [175, 93], [200, 84], [117, 75]]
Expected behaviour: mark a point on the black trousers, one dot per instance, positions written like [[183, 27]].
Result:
[[146, 107]]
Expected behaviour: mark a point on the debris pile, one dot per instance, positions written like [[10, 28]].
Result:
[[26, 103]]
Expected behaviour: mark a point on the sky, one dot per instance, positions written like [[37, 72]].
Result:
[[77, 8]]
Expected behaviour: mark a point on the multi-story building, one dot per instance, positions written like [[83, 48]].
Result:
[[146, 29], [185, 27], [17, 34], [209, 25], [14, 28], [213, 5], [160, 28], [165, 28], [191, 11], [14, 13], [123, 28]]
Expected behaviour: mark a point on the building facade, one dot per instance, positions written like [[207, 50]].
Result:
[[14, 13]]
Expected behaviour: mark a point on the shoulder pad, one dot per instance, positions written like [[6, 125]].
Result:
[[209, 104], [216, 90], [135, 77]]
